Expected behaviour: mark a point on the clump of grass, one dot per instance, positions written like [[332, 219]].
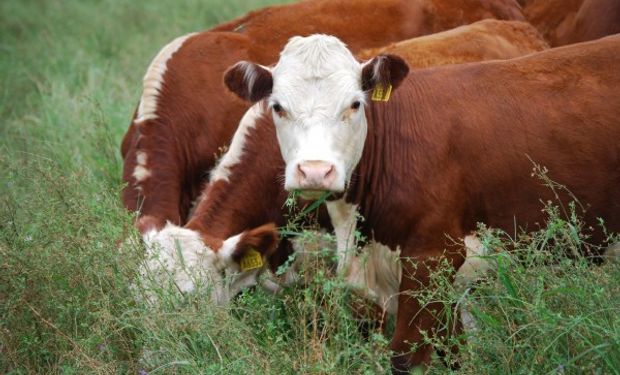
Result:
[[546, 308]]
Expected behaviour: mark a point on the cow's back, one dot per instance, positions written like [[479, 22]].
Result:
[[363, 23], [595, 19], [484, 40], [571, 21]]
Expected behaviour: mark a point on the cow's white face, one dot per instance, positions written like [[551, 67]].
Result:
[[317, 103], [317, 92], [179, 255]]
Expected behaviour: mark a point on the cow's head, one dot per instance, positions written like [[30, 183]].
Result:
[[317, 92], [186, 258]]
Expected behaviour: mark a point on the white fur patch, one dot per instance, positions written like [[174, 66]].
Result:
[[179, 254], [344, 219], [152, 81], [141, 157], [375, 274], [249, 74], [141, 173], [235, 151], [475, 265], [228, 248]]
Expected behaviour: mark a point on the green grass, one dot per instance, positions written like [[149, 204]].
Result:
[[70, 74]]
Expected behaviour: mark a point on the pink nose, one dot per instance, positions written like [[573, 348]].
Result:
[[316, 174]]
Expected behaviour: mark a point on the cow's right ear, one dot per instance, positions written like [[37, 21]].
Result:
[[384, 70], [249, 81]]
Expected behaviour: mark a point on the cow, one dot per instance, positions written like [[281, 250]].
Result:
[[427, 154], [243, 192], [571, 21], [186, 116]]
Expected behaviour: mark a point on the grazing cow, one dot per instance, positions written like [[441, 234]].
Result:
[[244, 190], [186, 115], [451, 147], [571, 21]]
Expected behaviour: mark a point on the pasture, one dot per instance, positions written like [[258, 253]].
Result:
[[70, 74]]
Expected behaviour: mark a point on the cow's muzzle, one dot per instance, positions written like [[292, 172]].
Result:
[[316, 175]]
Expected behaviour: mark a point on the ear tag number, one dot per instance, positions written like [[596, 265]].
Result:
[[251, 260], [381, 94]]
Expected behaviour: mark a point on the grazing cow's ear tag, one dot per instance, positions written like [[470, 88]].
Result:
[[381, 94], [251, 260]]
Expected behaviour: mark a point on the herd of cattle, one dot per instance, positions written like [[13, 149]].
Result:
[[423, 153]]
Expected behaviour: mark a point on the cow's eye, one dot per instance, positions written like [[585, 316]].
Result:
[[277, 108], [355, 105]]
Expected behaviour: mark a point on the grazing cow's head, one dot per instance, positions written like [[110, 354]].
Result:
[[184, 257], [317, 92]]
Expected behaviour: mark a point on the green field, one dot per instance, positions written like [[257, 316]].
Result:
[[70, 77]]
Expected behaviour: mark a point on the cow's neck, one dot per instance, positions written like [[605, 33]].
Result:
[[392, 146], [250, 194]]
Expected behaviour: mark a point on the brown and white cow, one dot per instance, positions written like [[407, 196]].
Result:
[[452, 147], [571, 21], [245, 190], [186, 114]]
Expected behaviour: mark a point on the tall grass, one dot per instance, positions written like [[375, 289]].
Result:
[[70, 74]]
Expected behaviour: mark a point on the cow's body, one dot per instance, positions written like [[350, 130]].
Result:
[[186, 115], [245, 191], [455, 146], [473, 162], [571, 21]]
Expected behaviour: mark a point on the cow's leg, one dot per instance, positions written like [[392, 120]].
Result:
[[343, 216], [412, 317]]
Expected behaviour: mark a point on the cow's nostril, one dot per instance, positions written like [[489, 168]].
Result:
[[301, 171], [330, 171]]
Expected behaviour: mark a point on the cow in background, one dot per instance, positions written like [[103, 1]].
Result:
[[571, 21], [439, 150], [483, 40], [186, 116]]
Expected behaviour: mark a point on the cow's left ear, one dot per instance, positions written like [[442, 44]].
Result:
[[253, 245], [249, 81], [383, 70]]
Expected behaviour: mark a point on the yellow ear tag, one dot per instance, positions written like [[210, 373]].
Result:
[[381, 94], [251, 260]]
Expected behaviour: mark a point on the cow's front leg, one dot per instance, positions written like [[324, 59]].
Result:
[[413, 318], [343, 216]]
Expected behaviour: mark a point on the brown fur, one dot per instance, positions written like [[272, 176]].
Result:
[[570, 21], [196, 114], [483, 40], [595, 19]]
